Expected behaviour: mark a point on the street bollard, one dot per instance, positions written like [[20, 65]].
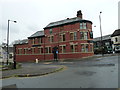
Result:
[[36, 60]]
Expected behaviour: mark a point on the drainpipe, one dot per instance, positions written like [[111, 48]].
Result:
[[44, 48], [58, 44], [14, 58]]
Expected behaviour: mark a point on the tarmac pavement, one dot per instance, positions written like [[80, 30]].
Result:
[[92, 72], [31, 69], [36, 69]]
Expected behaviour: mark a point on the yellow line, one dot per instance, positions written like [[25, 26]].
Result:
[[63, 68]]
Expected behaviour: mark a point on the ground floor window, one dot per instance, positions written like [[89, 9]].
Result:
[[84, 47], [48, 50], [33, 50], [74, 48], [25, 50], [19, 50], [62, 49], [40, 50], [91, 48]]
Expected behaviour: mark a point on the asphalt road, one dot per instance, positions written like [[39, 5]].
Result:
[[97, 72]]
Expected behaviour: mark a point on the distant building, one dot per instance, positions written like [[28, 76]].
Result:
[[0, 51], [116, 40], [3, 52], [107, 44], [72, 37]]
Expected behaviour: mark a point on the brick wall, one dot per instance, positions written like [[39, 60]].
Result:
[[56, 31]]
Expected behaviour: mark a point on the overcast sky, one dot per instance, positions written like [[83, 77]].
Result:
[[34, 15]]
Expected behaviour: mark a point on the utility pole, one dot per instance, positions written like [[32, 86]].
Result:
[[8, 40], [101, 34]]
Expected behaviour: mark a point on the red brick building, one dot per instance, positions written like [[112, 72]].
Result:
[[72, 36]]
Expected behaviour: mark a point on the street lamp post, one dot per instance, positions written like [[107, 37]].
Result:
[[8, 40], [101, 33]]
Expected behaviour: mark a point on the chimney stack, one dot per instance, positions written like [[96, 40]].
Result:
[[79, 14]]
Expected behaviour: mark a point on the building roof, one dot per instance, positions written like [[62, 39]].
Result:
[[116, 33], [106, 37], [24, 41], [66, 21], [37, 34]]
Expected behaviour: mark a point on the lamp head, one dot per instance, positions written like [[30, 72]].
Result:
[[15, 21]]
